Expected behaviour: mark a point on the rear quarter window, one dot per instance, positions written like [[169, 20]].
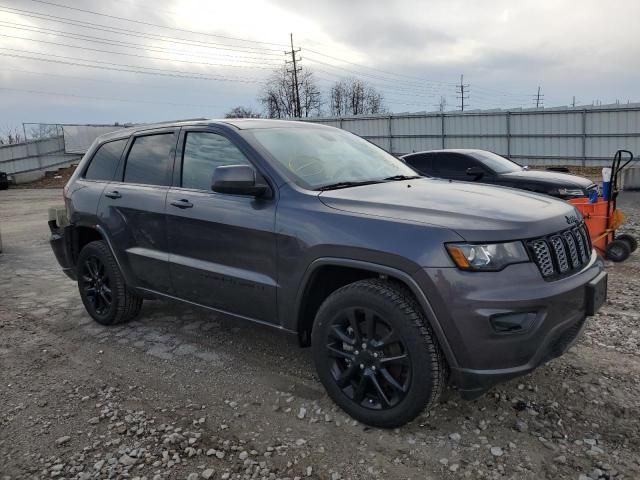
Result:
[[105, 160]]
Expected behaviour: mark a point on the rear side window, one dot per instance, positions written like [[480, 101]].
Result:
[[104, 163], [203, 153], [453, 164], [150, 161]]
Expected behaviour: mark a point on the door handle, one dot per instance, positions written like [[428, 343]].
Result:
[[113, 194], [183, 203]]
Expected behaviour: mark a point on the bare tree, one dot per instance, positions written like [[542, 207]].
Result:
[[11, 136], [352, 96], [242, 112], [278, 95]]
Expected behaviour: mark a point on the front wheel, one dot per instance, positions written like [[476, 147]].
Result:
[[102, 287], [375, 353]]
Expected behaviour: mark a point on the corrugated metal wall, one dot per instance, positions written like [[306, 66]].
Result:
[[572, 136]]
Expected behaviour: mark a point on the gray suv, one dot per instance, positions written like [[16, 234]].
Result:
[[400, 284]]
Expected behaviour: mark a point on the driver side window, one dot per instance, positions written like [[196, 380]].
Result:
[[203, 153]]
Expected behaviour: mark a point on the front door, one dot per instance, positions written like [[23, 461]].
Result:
[[222, 248]]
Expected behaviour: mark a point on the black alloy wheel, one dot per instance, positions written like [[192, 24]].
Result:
[[370, 363], [97, 285], [375, 353]]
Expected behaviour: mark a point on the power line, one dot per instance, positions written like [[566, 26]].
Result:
[[460, 91], [126, 68], [139, 22], [114, 42], [111, 99], [133, 54], [422, 80], [125, 31]]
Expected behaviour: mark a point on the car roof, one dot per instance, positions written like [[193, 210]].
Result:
[[238, 123], [448, 150]]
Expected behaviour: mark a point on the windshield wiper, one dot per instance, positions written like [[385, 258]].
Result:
[[335, 186], [401, 177]]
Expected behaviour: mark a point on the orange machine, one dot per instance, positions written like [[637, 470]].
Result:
[[603, 218]]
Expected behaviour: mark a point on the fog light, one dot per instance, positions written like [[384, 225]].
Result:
[[513, 322]]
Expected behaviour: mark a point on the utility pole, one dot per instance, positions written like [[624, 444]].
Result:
[[294, 75], [573, 104], [442, 104], [539, 98], [462, 91]]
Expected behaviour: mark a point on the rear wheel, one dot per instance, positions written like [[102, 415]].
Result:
[[630, 240], [102, 288], [376, 355], [618, 251]]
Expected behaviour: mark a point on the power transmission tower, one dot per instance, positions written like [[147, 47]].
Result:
[[462, 92], [294, 75], [539, 98]]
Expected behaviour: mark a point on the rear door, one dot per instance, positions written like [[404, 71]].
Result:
[[222, 246], [132, 208]]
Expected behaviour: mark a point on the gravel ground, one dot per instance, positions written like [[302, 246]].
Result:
[[185, 394]]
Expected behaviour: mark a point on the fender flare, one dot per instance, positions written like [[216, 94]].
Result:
[[404, 277]]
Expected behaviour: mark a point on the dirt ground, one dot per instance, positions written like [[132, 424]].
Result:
[[184, 394]]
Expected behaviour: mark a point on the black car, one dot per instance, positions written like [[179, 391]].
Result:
[[487, 167], [399, 283]]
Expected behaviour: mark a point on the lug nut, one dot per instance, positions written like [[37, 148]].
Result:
[[362, 366], [375, 355], [364, 346], [373, 368], [356, 352]]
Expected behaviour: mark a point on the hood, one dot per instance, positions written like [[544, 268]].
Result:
[[553, 178], [476, 212]]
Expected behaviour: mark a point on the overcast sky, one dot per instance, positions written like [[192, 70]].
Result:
[[213, 55]]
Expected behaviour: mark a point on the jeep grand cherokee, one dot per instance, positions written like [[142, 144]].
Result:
[[398, 283]]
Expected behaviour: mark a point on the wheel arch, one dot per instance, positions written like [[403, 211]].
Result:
[[307, 304]]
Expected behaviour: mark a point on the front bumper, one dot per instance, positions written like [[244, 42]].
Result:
[[467, 305], [60, 242]]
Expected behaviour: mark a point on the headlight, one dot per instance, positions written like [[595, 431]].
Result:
[[487, 257], [571, 192]]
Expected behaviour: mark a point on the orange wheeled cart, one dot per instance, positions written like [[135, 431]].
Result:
[[603, 218]]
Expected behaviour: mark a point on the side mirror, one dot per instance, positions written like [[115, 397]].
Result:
[[526, 167], [476, 172], [237, 179]]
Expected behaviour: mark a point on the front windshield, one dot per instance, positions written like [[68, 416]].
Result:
[[497, 163], [320, 157]]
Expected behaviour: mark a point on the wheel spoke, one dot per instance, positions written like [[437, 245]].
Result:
[[342, 336], [401, 359], [358, 394], [106, 289], [104, 299], [370, 324], [388, 378], [346, 376], [381, 395], [337, 353], [353, 321]]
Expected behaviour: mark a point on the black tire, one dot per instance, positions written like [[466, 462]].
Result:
[[104, 293], [630, 240], [399, 357], [618, 251]]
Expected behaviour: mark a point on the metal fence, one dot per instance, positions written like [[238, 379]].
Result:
[[559, 136]]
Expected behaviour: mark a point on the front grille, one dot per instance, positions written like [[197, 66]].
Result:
[[562, 253]]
